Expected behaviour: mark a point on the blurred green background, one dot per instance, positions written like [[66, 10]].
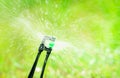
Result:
[[91, 28]]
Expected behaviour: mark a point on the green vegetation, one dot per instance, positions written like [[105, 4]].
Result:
[[91, 27]]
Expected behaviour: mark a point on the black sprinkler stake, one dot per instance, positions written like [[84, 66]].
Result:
[[42, 47]]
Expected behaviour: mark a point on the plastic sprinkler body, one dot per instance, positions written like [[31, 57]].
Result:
[[47, 45], [48, 41]]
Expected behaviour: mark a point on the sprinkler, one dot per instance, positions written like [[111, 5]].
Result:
[[47, 45]]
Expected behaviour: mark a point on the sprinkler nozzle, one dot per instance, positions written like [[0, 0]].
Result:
[[48, 41]]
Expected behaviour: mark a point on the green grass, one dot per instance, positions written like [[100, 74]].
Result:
[[92, 27]]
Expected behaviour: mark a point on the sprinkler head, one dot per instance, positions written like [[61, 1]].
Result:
[[48, 41]]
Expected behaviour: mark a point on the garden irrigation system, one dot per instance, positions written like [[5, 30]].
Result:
[[47, 45]]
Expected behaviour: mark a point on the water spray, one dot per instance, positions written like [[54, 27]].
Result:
[[47, 45]]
